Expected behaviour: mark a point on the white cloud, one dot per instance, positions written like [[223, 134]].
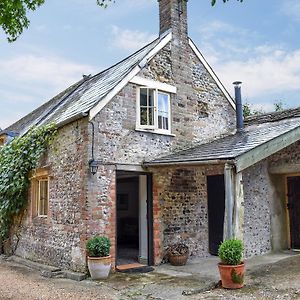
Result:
[[267, 70], [291, 8], [214, 27], [54, 71], [268, 73], [131, 40], [30, 80]]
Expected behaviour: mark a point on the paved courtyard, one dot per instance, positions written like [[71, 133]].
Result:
[[279, 280]]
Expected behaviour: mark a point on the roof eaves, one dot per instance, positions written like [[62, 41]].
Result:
[[212, 73], [258, 153], [189, 162], [165, 39]]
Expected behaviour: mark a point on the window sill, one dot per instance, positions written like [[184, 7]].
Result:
[[154, 132], [40, 218]]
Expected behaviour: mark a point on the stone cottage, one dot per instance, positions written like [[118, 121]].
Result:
[[148, 154]]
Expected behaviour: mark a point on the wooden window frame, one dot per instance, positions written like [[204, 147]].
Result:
[[36, 180], [153, 128]]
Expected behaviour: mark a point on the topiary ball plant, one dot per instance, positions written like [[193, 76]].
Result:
[[98, 246], [231, 252]]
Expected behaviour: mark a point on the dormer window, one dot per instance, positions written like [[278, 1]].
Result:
[[153, 111]]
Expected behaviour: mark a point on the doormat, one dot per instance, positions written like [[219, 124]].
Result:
[[137, 269]]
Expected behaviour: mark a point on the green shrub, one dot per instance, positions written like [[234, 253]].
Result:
[[98, 246], [231, 252]]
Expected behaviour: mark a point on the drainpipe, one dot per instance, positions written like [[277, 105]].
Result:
[[239, 106]]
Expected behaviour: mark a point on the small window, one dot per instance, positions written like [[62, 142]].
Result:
[[40, 196], [153, 110]]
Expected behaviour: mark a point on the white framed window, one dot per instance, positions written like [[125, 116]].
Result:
[[153, 110]]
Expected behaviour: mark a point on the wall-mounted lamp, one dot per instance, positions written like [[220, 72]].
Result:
[[93, 166]]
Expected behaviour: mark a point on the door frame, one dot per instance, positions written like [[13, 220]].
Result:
[[149, 213], [289, 238]]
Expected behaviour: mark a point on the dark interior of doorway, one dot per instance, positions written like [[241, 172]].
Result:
[[216, 211], [127, 219], [293, 206]]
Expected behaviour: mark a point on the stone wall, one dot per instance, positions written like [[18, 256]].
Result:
[[257, 204], [200, 112], [180, 208], [265, 223], [287, 156], [59, 239]]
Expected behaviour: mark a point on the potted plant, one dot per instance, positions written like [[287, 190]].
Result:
[[99, 260], [178, 254], [231, 267]]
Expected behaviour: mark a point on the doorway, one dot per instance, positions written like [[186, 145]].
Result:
[[134, 219], [216, 211], [293, 205]]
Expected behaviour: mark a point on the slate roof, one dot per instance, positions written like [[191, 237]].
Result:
[[232, 146], [77, 100], [274, 116]]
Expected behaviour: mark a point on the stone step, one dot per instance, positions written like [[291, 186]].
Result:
[[47, 271]]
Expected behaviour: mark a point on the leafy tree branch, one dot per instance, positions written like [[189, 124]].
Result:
[[14, 19]]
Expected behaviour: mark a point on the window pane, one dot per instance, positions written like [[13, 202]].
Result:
[[43, 200], [143, 97], [163, 111], [151, 116], [144, 118], [163, 102], [151, 98]]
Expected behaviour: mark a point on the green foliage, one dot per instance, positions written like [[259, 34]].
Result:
[[231, 252], [237, 278], [213, 2], [98, 246], [13, 16], [104, 3], [17, 159], [248, 111], [279, 105]]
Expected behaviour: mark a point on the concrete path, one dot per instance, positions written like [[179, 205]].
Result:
[[206, 268]]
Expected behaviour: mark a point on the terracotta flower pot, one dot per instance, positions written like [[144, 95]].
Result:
[[232, 277], [178, 260], [99, 267]]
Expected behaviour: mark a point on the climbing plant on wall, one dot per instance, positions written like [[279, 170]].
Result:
[[17, 159]]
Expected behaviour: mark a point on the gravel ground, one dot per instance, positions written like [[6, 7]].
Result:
[[277, 281]]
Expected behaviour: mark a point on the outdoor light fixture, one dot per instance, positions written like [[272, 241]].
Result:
[[93, 166]]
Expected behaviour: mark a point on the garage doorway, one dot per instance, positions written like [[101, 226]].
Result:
[[134, 240]]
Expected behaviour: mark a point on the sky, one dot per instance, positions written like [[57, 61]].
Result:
[[256, 42]]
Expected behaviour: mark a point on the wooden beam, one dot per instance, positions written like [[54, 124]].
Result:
[[238, 211], [267, 149], [285, 169], [229, 201], [129, 168]]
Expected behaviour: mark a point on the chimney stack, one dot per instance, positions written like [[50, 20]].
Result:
[[173, 15], [239, 106]]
